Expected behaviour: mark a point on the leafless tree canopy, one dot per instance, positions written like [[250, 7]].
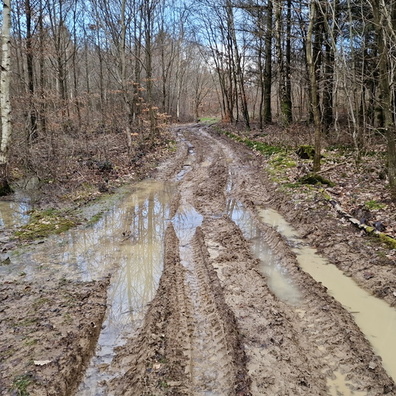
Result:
[[81, 70]]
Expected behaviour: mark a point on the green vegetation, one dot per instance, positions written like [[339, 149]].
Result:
[[374, 205], [209, 120], [258, 146], [314, 179], [387, 240], [45, 223], [282, 161], [20, 384], [95, 218], [306, 152]]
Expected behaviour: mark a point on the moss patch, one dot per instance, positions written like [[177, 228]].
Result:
[[306, 152], [390, 242], [45, 223], [314, 179], [374, 205], [263, 148]]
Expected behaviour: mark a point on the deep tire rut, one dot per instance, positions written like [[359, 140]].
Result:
[[215, 327]]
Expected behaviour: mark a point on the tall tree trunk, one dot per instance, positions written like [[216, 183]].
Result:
[[5, 104], [32, 131], [288, 89], [283, 69], [311, 62], [267, 115], [123, 77], [148, 7], [385, 33], [42, 107]]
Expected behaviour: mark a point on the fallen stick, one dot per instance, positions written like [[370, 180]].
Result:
[[389, 240]]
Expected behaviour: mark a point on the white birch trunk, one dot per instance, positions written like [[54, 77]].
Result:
[[5, 105]]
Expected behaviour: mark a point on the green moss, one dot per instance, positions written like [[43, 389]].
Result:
[[31, 342], [387, 240], [261, 147], [325, 195], [209, 120], [282, 161], [291, 185], [44, 223], [314, 179], [306, 152], [95, 218], [374, 205]]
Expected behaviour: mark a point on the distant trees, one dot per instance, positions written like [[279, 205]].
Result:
[[82, 68]]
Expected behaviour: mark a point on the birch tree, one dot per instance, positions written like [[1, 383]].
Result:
[[5, 104]]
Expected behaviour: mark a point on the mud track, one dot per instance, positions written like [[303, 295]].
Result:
[[215, 327]]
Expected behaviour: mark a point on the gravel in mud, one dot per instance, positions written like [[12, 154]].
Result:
[[215, 327]]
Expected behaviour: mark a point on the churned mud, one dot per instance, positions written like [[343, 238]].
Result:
[[235, 312]]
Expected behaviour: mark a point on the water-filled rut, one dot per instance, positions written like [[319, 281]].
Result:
[[207, 295], [249, 320]]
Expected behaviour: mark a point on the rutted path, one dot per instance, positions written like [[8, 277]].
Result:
[[216, 327]]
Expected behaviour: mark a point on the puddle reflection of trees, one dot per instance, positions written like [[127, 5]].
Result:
[[127, 242], [13, 214]]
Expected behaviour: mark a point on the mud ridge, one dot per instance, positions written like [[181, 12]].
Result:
[[155, 359]]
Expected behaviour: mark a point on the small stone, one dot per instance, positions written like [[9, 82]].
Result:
[[372, 365], [42, 362]]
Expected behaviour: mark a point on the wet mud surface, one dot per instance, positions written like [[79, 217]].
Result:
[[234, 312], [222, 324]]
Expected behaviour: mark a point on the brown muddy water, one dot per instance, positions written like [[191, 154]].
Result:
[[375, 317], [126, 242], [278, 279]]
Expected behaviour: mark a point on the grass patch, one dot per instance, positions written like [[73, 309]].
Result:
[[20, 384], [209, 120], [261, 147], [374, 205], [95, 218]]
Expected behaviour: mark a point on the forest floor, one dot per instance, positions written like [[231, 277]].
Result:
[[216, 326]]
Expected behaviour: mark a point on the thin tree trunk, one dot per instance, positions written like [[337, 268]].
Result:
[[5, 104], [32, 133], [267, 115], [311, 62]]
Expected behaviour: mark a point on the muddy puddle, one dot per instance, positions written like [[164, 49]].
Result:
[[126, 242], [187, 166], [14, 213], [376, 318], [277, 277]]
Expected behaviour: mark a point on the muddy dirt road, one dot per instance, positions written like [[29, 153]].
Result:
[[220, 325], [234, 312]]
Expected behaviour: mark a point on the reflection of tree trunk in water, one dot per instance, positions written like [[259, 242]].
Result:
[[150, 239]]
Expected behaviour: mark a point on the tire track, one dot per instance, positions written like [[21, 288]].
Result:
[[215, 327]]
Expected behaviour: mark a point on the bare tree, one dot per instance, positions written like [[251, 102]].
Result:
[[312, 65], [5, 103]]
